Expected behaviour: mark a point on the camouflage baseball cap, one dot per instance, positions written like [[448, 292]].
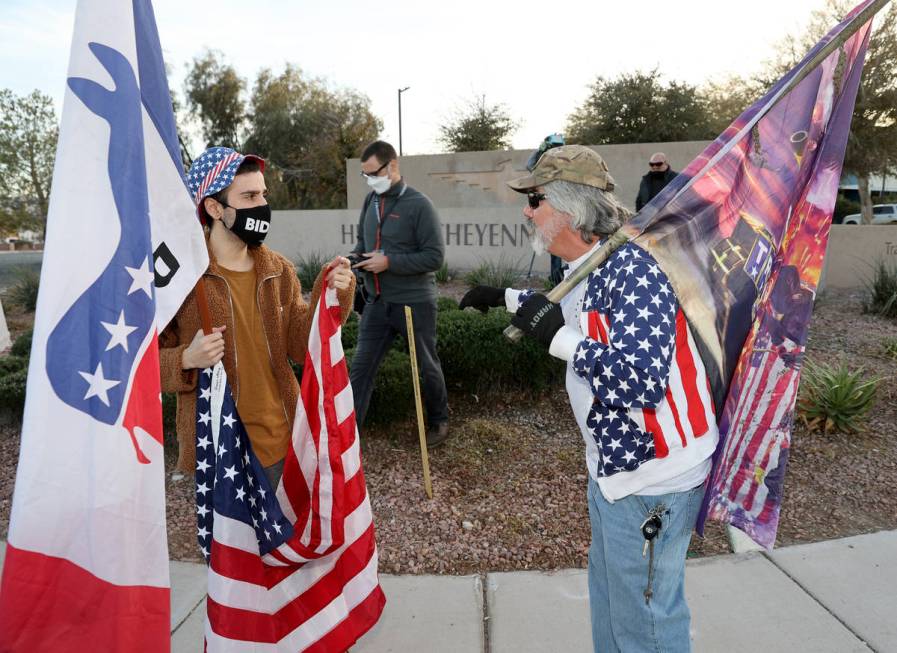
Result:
[[574, 163]]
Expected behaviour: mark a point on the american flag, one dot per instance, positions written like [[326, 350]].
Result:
[[295, 569]]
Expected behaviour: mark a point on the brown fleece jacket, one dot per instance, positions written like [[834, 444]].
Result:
[[286, 319]]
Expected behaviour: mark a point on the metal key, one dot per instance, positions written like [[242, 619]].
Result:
[[650, 528]]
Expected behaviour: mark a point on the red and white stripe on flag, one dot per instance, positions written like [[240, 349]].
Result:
[[87, 558], [318, 591], [686, 411]]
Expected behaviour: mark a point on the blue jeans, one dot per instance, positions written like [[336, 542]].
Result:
[[622, 621]]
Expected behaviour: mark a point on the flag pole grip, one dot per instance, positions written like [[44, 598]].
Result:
[[202, 303], [561, 290]]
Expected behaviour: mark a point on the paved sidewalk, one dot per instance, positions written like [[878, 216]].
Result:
[[837, 596], [829, 597]]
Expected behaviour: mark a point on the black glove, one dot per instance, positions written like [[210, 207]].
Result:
[[540, 318], [482, 297]]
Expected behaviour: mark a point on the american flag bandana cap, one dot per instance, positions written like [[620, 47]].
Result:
[[213, 171]]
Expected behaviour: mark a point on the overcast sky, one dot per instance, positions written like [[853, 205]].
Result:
[[536, 57]]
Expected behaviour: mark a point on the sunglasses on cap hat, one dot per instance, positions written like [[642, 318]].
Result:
[[534, 199]]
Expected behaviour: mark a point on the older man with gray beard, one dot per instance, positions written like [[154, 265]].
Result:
[[640, 396]]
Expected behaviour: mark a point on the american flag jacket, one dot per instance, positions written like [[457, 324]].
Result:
[[636, 383]]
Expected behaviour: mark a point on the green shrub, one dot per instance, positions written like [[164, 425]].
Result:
[[350, 331], [443, 274], [309, 267], [169, 412], [476, 356], [12, 363], [22, 345], [501, 273], [881, 290], [23, 293], [12, 393], [393, 396], [835, 397], [446, 304]]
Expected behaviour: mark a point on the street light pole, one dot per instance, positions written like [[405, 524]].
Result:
[[401, 90]]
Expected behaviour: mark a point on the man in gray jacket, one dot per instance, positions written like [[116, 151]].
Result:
[[400, 247]]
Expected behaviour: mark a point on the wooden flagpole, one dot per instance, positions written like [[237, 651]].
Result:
[[202, 303], [618, 238], [425, 459]]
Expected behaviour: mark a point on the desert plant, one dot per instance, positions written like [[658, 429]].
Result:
[[501, 273], [309, 267], [889, 348], [443, 274], [881, 290], [23, 293], [835, 397]]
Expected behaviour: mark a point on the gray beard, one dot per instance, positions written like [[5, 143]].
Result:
[[542, 239]]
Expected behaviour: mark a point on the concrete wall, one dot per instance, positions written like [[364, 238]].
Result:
[[482, 218], [471, 235], [852, 249], [477, 179], [498, 234]]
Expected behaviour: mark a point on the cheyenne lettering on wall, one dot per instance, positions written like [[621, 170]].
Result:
[[467, 234]]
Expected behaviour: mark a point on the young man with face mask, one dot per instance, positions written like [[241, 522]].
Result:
[[400, 247], [260, 320]]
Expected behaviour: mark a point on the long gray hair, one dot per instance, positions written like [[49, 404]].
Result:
[[594, 212]]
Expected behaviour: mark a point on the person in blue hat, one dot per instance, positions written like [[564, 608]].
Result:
[[261, 322]]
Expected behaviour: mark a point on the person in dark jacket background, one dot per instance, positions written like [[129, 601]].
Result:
[[400, 247], [657, 178]]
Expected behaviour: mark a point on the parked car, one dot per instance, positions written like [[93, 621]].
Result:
[[881, 214]]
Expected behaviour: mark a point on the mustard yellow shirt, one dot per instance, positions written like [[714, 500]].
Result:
[[259, 403]]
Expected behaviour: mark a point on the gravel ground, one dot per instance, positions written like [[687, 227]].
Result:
[[510, 484]]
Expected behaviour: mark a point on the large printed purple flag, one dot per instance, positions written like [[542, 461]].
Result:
[[741, 234]]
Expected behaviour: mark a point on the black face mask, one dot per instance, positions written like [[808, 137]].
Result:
[[251, 225]]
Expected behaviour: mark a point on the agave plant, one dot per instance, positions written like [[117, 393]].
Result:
[[881, 290], [23, 293], [835, 398], [889, 348], [309, 267], [444, 274], [500, 273]]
